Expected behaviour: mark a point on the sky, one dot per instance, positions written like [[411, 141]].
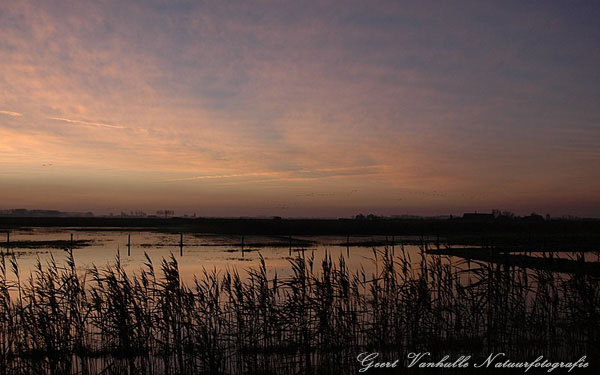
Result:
[[300, 108]]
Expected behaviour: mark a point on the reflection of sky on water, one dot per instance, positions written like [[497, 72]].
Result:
[[211, 252]]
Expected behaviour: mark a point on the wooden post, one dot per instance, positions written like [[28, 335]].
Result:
[[129, 245], [71, 241], [181, 244], [347, 245], [242, 245]]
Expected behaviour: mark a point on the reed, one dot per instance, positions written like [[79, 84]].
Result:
[[62, 320]]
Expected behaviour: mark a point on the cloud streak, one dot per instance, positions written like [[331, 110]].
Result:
[[87, 123], [293, 175], [11, 113]]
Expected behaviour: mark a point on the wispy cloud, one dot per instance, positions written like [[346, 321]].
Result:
[[222, 176], [87, 123], [11, 113], [293, 175]]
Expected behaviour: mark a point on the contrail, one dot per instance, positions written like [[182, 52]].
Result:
[[217, 176], [11, 113], [285, 175], [97, 124]]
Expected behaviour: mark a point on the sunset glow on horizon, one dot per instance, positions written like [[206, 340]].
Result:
[[300, 109]]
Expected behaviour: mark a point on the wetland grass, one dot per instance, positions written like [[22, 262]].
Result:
[[63, 320]]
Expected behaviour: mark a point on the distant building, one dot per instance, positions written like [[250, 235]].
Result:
[[477, 217], [534, 217]]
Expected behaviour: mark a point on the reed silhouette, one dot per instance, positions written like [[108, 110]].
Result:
[[63, 320]]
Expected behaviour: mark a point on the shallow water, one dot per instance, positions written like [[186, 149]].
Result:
[[199, 252], [208, 252]]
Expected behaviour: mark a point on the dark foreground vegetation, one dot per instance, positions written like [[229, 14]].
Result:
[[62, 320]]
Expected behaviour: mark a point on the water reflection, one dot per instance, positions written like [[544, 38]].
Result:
[[194, 252]]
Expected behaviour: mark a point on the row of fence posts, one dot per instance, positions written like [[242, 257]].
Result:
[[242, 242], [181, 245], [8, 246], [387, 243], [71, 243]]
